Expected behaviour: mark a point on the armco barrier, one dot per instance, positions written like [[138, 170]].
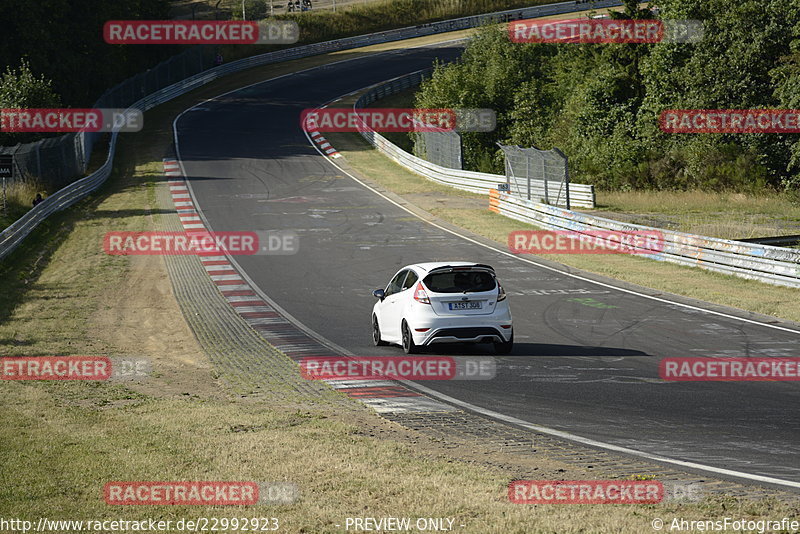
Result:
[[773, 265], [581, 195], [12, 236]]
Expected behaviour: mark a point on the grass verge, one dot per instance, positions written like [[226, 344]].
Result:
[[19, 196], [62, 442], [724, 215]]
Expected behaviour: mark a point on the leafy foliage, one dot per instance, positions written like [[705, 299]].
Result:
[[600, 103], [19, 88], [63, 40]]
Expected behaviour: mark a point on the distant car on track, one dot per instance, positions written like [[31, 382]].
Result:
[[443, 302]]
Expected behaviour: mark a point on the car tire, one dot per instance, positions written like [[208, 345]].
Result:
[[408, 340], [376, 333], [505, 347]]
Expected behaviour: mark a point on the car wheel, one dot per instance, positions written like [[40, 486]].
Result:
[[376, 333], [505, 347], [408, 341]]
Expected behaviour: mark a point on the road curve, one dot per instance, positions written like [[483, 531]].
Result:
[[585, 370]]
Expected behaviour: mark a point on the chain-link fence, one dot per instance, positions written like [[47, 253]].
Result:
[[539, 175], [55, 162], [440, 147]]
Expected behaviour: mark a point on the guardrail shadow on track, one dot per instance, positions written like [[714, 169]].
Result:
[[525, 349]]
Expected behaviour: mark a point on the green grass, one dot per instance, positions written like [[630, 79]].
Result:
[[19, 198], [724, 215]]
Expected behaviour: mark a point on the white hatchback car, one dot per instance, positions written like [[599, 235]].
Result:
[[444, 302]]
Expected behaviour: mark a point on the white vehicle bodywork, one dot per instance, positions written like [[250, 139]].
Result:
[[443, 314]]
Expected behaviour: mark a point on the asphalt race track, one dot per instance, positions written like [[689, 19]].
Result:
[[590, 371]]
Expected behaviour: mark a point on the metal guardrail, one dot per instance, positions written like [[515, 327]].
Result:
[[581, 195], [12, 236], [773, 265]]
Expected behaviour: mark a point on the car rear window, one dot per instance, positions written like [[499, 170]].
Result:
[[460, 282]]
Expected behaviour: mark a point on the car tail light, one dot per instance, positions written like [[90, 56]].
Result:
[[420, 295], [501, 294]]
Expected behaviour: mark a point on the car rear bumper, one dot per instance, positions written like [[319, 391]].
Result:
[[484, 334], [494, 328]]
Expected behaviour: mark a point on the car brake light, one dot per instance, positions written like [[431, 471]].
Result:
[[420, 295], [501, 294]]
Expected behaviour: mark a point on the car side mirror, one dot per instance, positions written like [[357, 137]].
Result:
[[379, 294]]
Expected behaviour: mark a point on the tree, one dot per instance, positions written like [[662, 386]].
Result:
[[600, 103], [20, 88]]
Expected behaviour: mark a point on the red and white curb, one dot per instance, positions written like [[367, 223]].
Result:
[[323, 143], [383, 396]]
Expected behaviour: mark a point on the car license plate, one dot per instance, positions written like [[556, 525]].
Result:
[[469, 305]]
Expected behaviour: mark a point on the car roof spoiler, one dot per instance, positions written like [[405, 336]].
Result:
[[473, 267]]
